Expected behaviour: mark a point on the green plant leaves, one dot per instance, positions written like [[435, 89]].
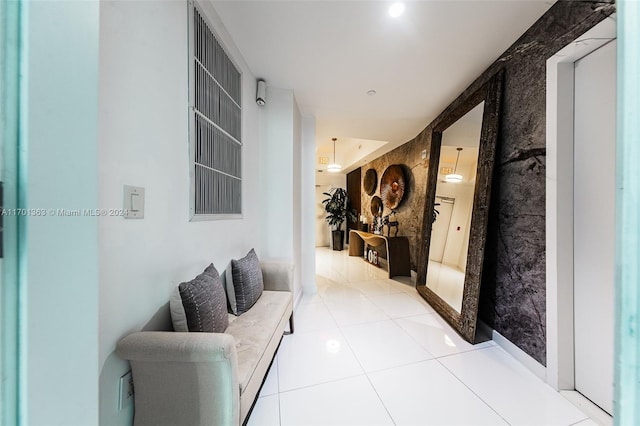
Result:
[[338, 207]]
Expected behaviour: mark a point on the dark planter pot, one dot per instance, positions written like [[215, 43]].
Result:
[[338, 240]]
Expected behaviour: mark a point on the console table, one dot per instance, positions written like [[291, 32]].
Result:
[[398, 258]]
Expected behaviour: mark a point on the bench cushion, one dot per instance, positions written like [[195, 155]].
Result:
[[254, 330]]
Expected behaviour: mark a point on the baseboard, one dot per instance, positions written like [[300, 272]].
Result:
[[595, 413], [483, 332], [521, 356], [298, 299]]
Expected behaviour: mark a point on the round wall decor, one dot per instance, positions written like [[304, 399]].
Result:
[[376, 206], [370, 182], [392, 186]]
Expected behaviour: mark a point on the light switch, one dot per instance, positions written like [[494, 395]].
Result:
[[133, 202]]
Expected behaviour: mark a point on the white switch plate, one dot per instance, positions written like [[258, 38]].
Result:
[[133, 204], [125, 390], [424, 154]]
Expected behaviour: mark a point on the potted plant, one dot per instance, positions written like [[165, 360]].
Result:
[[338, 210]]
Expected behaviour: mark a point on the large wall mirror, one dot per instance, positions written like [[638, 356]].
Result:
[[463, 146]]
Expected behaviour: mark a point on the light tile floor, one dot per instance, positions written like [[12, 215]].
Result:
[[368, 350]]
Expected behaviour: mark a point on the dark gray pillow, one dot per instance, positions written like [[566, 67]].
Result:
[[244, 283], [199, 305]]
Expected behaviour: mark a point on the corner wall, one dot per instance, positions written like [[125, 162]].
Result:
[[285, 162], [308, 238], [143, 124], [59, 301], [277, 163], [514, 285]]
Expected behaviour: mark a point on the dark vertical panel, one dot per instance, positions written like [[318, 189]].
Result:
[[354, 191]]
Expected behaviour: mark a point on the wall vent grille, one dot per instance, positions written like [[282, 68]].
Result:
[[216, 133]]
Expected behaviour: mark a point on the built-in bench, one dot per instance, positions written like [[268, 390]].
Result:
[[189, 378]]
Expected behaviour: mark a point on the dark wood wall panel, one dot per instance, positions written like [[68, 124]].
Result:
[[354, 190]]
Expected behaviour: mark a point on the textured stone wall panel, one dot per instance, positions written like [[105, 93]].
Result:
[[513, 285]]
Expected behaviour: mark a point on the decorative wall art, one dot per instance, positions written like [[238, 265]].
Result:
[[392, 186], [376, 206], [370, 182]]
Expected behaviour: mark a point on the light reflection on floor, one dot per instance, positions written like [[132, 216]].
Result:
[[368, 350]]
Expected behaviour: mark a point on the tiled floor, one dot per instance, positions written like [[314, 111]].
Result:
[[369, 351]]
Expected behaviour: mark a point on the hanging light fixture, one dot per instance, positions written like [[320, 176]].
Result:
[[334, 167], [454, 177]]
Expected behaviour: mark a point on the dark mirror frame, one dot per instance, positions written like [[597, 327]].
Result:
[[465, 321]]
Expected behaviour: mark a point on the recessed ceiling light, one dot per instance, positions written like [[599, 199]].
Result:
[[371, 92], [396, 9]]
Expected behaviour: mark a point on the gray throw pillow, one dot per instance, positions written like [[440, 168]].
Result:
[[244, 283], [199, 305]]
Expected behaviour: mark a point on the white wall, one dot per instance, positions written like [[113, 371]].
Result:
[[281, 170], [325, 181], [307, 211], [337, 180], [143, 123], [276, 174], [60, 330], [296, 206]]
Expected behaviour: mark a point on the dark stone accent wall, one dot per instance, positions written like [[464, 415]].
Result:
[[513, 291]]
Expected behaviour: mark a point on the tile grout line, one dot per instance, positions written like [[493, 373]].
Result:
[[380, 399], [330, 381], [278, 383], [471, 390], [369, 380], [322, 383], [341, 328], [583, 420], [389, 318]]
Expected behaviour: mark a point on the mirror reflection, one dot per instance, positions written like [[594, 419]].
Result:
[[457, 168]]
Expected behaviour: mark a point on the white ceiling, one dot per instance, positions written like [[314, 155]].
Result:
[[330, 53]]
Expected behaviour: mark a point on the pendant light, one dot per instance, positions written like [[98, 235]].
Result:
[[454, 177], [334, 167]]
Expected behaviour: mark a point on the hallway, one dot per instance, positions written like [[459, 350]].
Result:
[[368, 350]]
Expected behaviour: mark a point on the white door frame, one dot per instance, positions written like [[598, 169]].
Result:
[[559, 202]]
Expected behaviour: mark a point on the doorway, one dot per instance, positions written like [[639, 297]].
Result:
[[594, 223], [567, 195], [440, 228]]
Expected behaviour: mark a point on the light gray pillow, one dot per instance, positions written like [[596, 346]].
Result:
[[199, 305], [244, 283]]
